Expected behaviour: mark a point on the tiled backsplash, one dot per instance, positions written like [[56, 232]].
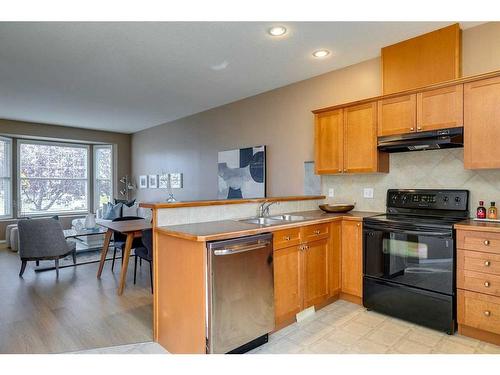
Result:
[[187, 215], [416, 170]]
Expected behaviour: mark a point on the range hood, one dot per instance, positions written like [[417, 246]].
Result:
[[419, 141]]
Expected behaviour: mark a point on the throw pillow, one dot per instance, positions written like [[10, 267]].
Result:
[[112, 211], [125, 203], [129, 211]]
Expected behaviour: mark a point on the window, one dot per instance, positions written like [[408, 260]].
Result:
[[53, 178], [103, 175], [5, 178]]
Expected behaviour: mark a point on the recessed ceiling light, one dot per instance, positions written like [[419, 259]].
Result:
[[277, 30], [321, 53]]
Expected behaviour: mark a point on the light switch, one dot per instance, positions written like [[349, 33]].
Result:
[[331, 192], [368, 193]]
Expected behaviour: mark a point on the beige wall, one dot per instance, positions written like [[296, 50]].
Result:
[[27, 129], [280, 119]]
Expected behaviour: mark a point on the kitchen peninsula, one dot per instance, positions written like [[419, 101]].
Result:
[[309, 269]]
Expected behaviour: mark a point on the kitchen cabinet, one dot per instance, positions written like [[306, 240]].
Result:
[[360, 140], [397, 115], [329, 142], [303, 272], [482, 123], [316, 266], [346, 141], [287, 283], [352, 258], [334, 264], [478, 284], [440, 108]]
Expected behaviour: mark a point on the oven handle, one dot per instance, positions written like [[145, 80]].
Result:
[[410, 232]]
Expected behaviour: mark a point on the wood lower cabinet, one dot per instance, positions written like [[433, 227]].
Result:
[[478, 283], [316, 285], [360, 141], [335, 250], [440, 109], [397, 115], [287, 283], [352, 258], [482, 124], [329, 142]]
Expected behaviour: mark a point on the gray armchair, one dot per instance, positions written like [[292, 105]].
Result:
[[43, 239]]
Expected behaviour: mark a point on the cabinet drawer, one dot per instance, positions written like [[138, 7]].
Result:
[[479, 282], [478, 241], [314, 232], [286, 237], [480, 262], [479, 311]]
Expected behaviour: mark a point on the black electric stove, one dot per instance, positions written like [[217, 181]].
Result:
[[409, 256]]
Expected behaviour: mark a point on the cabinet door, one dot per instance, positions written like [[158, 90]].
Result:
[[328, 142], [315, 272], [352, 258], [360, 140], [334, 257], [287, 284], [440, 109], [397, 115], [482, 124]]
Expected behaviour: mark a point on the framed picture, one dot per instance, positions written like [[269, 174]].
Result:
[[176, 180], [163, 181], [143, 182], [242, 173], [153, 181]]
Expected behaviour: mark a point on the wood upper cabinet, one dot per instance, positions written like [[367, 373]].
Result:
[[360, 140], [352, 258], [287, 283], [316, 272], [328, 142], [440, 109], [482, 124], [397, 115]]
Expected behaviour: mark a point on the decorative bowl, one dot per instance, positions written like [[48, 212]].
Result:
[[336, 208]]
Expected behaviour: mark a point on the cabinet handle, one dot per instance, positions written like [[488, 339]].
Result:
[[345, 170], [286, 238], [419, 128], [487, 313], [487, 263], [340, 170], [487, 284], [412, 129], [317, 231], [486, 242], [359, 224]]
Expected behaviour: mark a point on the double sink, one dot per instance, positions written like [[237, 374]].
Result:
[[274, 220]]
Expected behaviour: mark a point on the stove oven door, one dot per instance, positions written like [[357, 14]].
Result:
[[421, 258]]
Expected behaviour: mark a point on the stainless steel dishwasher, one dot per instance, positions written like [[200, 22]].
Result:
[[240, 293]]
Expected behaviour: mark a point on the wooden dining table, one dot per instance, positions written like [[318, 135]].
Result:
[[132, 229]]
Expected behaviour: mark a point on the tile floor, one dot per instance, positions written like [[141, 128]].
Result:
[[346, 328]]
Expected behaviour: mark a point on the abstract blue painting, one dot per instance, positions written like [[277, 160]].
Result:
[[242, 173]]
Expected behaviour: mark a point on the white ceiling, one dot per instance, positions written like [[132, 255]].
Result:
[[126, 77]]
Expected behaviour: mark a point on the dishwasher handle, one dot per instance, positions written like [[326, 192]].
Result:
[[241, 249]]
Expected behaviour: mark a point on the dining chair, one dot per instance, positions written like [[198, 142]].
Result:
[[145, 252], [119, 239]]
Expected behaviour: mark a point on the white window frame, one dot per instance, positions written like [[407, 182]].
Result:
[[18, 173], [94, 173], [10, 206]]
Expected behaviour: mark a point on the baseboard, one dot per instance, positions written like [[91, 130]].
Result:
[[479, 334], [351, 298]]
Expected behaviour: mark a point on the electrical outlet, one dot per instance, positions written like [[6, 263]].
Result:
[[331, 192], [368, 193]]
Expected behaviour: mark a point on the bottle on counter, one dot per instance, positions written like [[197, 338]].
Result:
[[481, 211], [492, 211]]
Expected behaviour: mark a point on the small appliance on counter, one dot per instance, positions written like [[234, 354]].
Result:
[[409, 256]]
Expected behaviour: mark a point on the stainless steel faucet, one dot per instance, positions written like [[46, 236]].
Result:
[[264, 208]]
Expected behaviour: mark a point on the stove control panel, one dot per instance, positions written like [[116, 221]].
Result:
[[428, 199]]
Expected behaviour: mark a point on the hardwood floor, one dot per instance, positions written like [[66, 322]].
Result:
[[42, 314]]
